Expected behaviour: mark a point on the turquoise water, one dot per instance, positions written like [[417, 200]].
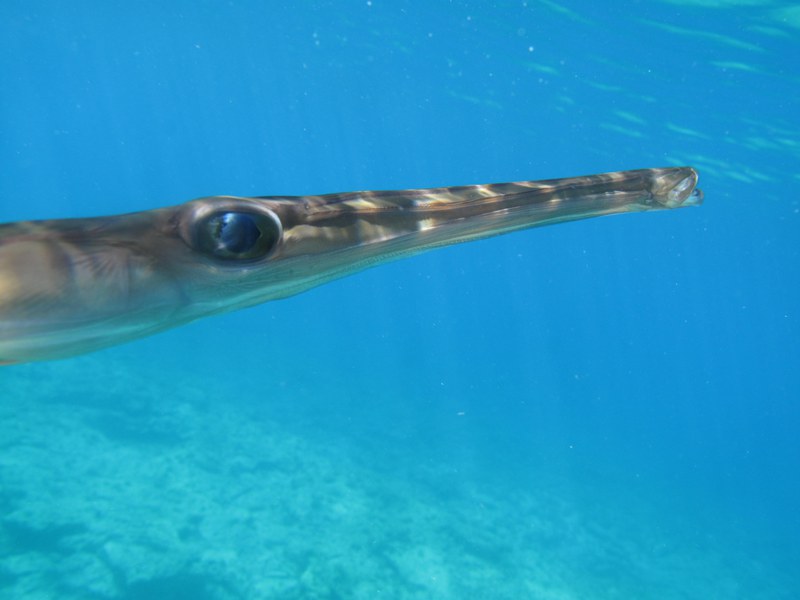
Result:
[[602, 409]]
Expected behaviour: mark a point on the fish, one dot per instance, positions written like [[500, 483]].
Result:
[[71, 286]]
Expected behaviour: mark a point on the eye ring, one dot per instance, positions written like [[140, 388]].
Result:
[[233, 232]]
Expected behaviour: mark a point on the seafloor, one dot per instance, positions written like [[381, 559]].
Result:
[[132, 485]]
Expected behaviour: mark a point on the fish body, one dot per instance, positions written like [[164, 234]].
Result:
[[71, 286]]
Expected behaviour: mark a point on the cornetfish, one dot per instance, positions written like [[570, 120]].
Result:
[[71, 286]]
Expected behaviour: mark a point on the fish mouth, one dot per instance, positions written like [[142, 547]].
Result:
[[695, 198], [677, 188]]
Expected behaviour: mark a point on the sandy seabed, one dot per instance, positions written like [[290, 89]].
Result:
[[130, 487]]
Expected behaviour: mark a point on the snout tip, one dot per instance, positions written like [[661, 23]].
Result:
[[677, 188]]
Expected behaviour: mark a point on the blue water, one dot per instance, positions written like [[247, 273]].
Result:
[[602, 409]]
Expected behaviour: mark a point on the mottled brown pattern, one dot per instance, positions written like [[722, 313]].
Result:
[[76, 285]]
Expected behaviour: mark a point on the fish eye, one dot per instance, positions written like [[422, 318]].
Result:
[[235, 235]]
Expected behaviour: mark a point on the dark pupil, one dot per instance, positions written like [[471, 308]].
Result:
[[235, 232]]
